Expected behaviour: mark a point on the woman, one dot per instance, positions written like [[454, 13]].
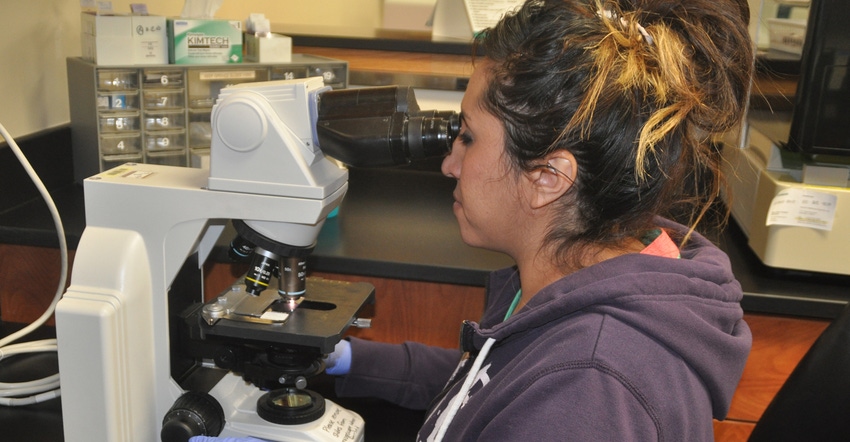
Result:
[[585, 123]]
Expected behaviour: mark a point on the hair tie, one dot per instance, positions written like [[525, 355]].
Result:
[[610, 15]]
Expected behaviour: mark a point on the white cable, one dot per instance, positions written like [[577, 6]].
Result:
[[46, 388], [464, 390]]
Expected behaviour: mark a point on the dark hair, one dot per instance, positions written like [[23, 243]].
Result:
[[636, 90]]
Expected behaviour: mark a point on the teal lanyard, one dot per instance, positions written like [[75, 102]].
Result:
[[513, 304]]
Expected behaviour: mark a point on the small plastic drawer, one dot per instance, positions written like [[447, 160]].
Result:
[[203, 84], [163, 78], [165, 140], [116, 101], [111, 161], [200, 130], [165, 120], [200, 134], [163, 98], [118, 122], [118, 144], [116, 80], [169, 159]]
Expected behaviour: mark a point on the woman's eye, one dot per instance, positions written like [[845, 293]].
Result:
[[465, 138]]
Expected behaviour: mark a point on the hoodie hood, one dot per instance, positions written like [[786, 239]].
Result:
[[690, 305]]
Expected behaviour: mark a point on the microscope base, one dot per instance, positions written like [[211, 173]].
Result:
[[240, 401]]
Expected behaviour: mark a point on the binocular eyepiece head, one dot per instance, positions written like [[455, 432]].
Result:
[[381, 126]]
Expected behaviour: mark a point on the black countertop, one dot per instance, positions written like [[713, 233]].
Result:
[[398, 223], [381, 39]]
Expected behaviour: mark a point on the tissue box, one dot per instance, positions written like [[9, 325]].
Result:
[[273, 48], [124, 39], [198, 41]]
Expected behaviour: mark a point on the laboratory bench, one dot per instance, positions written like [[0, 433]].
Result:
[[396, 230]]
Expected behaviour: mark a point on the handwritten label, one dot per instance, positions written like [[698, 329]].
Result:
[[802, 207], [342, 425]]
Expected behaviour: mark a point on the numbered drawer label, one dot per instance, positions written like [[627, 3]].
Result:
[[119, 122], [118, 100], [116, 80], [129, 143], [163, 98], [165, 140], [165, 120], [289, 73], [333, 76], [162, 78]]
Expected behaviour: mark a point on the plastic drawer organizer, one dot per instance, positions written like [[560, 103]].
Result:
[[161, 114]]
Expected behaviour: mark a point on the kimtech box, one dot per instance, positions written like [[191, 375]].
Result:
[[199, 41]]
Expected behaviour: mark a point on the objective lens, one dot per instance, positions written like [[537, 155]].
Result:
[[293, 277], [263, 266], [240, 249]]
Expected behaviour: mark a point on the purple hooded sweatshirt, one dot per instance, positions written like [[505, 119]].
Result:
[[636, 347]]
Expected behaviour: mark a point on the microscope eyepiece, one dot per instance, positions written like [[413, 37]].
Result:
[[432, 135]]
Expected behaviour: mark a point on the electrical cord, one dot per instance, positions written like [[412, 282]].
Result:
[[40, 390]]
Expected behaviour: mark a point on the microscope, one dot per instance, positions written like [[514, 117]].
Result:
[[142, 356]]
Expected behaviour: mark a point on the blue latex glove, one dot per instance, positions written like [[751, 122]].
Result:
[[338, 363], [224, 439]]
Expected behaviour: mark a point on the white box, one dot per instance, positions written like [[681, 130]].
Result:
[[787, 35], [124, 39], [273, 48]]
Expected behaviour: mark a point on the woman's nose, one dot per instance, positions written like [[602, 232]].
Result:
[[451, 162]]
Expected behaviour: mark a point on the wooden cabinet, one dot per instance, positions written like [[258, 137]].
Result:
[[778, 345]]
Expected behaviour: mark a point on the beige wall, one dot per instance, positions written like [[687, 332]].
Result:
[[37, 36]]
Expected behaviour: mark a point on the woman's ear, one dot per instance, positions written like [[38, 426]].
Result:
[[553, 178]]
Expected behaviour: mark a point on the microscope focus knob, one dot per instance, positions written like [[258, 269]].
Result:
[[193, 414]]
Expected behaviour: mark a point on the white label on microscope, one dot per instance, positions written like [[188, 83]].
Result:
[[342, 425], [802, 207]]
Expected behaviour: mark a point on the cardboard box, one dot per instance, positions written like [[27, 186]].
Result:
[[197, 41], [273, 48], [124, 39]]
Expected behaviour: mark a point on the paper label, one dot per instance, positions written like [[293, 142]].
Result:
[[486, 13], [803, 208], [342, 425]]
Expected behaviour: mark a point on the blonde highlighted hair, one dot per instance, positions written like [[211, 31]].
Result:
[[637, 90]]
